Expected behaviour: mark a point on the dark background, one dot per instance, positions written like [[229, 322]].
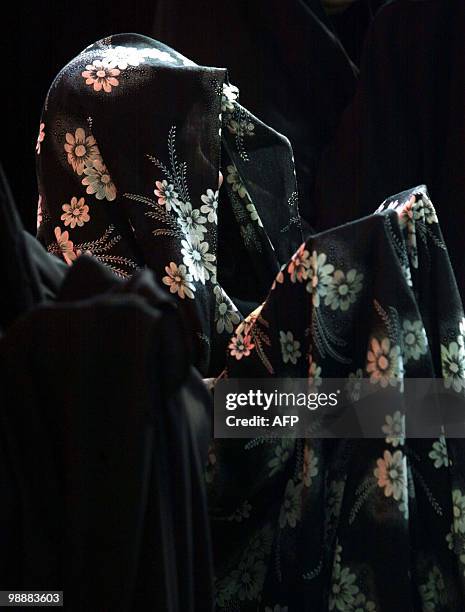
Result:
[[43, 36], [41, 39]]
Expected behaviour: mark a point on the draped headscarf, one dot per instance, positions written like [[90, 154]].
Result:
[[132, 140]]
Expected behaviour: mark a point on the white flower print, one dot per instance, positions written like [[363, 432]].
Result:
[[407, 274], [82, 150], [394, 429], [228, 97], [235, 181], [98, 181], [101, 74], [226, 314], [282, 453], [453, 366], [162, 56], [210, 205], [225, 590], [314, 374], [291, 508], [122, 57], [319, 277], [246, 581], [260, 542], [404, 507], [197, 258], [429, 211], [191, 221], [179, 280], [438, 453], [391, 474], [166, 194], [343, 289], [386, 206], [354, 385], [249, 578], [433, 593], [253, 213], [461, 336], [289, 347], [343, 589], [184, 60], [384, 362], [362, 605], [458, 501], [242, 127], [430, 215], [337, 554], [249, 236], [451, 539], [414, 339]]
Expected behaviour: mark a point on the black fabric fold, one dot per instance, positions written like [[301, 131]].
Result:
[[102, 450], [29, 274]]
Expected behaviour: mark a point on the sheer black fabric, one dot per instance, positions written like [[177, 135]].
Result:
[[376, 525], [133, 139]]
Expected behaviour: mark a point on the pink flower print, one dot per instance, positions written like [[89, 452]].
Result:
[[166, 194], [65, 246], [101, 74], [299, 265], [39, 212], [82, 150], [40, 137], [75, 213], [240, 346]]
